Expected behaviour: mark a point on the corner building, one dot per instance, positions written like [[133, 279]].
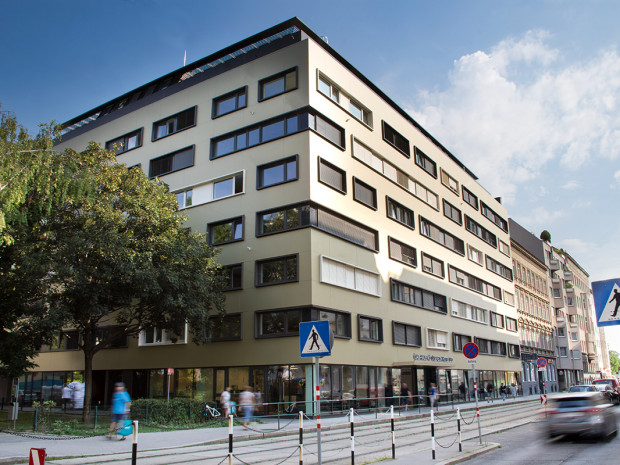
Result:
[[328, 202]]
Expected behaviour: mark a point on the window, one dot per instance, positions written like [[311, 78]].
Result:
[[277, 84], [370, 329], [432, 265], [509, 298], [339, 322], [277, 172], [561, 331], [298, 216], [396, 140], [497, 268], [406, 335], [210, 191], [469, 312], [482, 233], [233, 274], [441, 236], [470, 198], [184, 199], [556, 293], [504, 248], [575, 354], [436, 339], [364, 194], [497, 320], [402, 252], [474, 254], [350, 277], [459, 341], [228, 186], [276, 323], [157, 336], [449, 182], [474, 283], [563, 352], [400, 213], [328, 89], [125, 143], [332, 176], [344, 100], [172, 162], [226, 231], [361, 113], [574, 336], [175, 123], [65, 340], [511, 324], [111, 337], [230, 102], [225, 328], [425, 162], [278, 270], [489, 347], [570, 302], [417, 297], [514, 351], [450, 211], [494, 217]]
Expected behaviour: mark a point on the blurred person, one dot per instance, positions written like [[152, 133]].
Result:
[[246, 403], [121, 403], [225, 401]]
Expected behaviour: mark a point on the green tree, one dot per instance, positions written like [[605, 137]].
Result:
[[545, 236], [614, 359]]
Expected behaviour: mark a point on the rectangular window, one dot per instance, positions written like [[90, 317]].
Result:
[[277, 323], [184, 199], [228, 186], [125, 143], [494, 217], [563, 352], [469, 312], [449, 182], [230, 102], [225, 328], [112, 337], [328, 89], [572, 318], [370, 329], [459, 341], [469, 197], [441, 236], [432, 265], [570, 302], [278, 270], [425, 162], [396, 139], [436, 339], [399, 213], [172, 162], [576, 354], [497, 268], [344, 100], [509, 298], [339, 322], [561, 332], [417, 297], [402, 252], [497, 320], [65, 340], [157, 336], [332, 176], [406, 335], [474, 254], [511, 324], [474, 283], [277, 172], [514, 351], [504, 248], [350, 277], [277, 84], [364, 193], [556, 293], [224, 232], [175, 123], [450, 211], [233, 274], [481, 232], [360, 112], [574, 336]]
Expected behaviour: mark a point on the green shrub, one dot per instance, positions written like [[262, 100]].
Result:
[[176, 412]]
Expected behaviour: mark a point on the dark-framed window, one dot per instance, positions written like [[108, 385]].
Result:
[[480, 231], [441, 236], [232, 101], [402, 252], [369, 329], [234, 277], [412, 295], [172, 162], [176, 123], [228, 186], [449, 182], [406, 335], [432, 265], [332, 176], [364, 193], [469, 197], [112, 337], [514, 351], [279, 323], [65, 340], [497, 320], [226, 231], [339, 322], [459, 341], [277, 84], [396, 139], [493, 217], [474, 283], [511, 324], [498, 268], [450, 211], [125, 143], [398, 212], [278, 270], [226, 327], [425, 162], [277, 172]]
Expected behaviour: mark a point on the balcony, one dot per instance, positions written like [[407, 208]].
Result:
[[558, 302], [554, 265], [570, 290], [568, 275]]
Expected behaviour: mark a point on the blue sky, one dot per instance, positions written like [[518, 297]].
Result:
[[524, 92]]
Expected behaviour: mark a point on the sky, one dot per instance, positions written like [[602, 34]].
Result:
[[526, 93]]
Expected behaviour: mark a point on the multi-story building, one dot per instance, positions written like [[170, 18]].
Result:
[[536, 323], [329, 202]]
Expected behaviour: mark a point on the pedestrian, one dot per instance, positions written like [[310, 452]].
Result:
[[121, 403], [513, 391], [389, 394], [225, 401], [67, 395], [489, 392], [433, 395], [502, 391], [405, 394], [258, 397], [78, 395], [462, 389], [246, 403]]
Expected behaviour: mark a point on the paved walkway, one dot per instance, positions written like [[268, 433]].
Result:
[[14, 449]]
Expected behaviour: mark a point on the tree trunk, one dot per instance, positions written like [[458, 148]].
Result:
[[88, 384]]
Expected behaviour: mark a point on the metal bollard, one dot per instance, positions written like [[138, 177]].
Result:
[[301, 438], [352, 420], [230, 439], [393, 434], [433, 432], [458, 427], [134, 445], [35, 419]]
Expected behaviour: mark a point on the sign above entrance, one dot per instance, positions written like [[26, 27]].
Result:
[[315, 339], [471, 350]]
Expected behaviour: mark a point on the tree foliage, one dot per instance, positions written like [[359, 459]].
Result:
[[614, 360], [545, 236]]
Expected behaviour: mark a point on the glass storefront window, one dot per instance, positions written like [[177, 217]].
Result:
[[361, 388], [157, 384], [184, 383]]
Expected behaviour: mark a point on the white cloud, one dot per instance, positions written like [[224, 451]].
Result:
[[616, 183], [570, 185], [540, 215], [577, 247]]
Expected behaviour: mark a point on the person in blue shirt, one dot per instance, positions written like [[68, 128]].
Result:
[[121, 402]]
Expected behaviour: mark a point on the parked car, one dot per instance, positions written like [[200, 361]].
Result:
[[608, 392], [583, 388], [580, 413], [613, 382]]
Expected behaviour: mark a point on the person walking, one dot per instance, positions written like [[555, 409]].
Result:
[[490, 392], [246, 403], [433, 395], [502, 391], [225, 401], [121, 403], [405, 395], [462, 389], [513, 391]]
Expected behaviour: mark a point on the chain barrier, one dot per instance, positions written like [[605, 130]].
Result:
[[222, 461], [272, 430], [331, 454], [444, 418], [468, 422], [447, 447], [49, 437]]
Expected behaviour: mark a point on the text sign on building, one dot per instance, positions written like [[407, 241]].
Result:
[[471, 350], [314, 339], [607, 301]]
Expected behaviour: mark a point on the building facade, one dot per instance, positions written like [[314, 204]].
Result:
[[328, 202]]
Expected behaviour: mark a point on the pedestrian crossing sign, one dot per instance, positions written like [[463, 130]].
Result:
[[314, 339], [607, 301]]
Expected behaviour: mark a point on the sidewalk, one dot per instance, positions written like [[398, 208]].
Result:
[[14, 449]]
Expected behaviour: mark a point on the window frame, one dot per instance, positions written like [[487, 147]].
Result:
[[228, 316], [421, 160], [452, 208], [401, 245], [437, 331], [171, 155], [425, 230], [259, 276], [373, 192], [493, 217], [413, 289], [343, 173], [389, 201], [433, 260], [304, 315], [234, 222], [317, 312], [109, 145], [395, 135], [230, 276], [165, 338], [502, 270], [365, 114], [405, 327], [513, 323], [458, 343], [370, 319], [469, 196], [359, 276], [281, 162], [493, 320], [445, 180], [241, 91], [275, 77], [482, 233], [174, 117]]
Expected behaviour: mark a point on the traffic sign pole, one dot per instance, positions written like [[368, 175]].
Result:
[[318, 408], [477, 408]]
